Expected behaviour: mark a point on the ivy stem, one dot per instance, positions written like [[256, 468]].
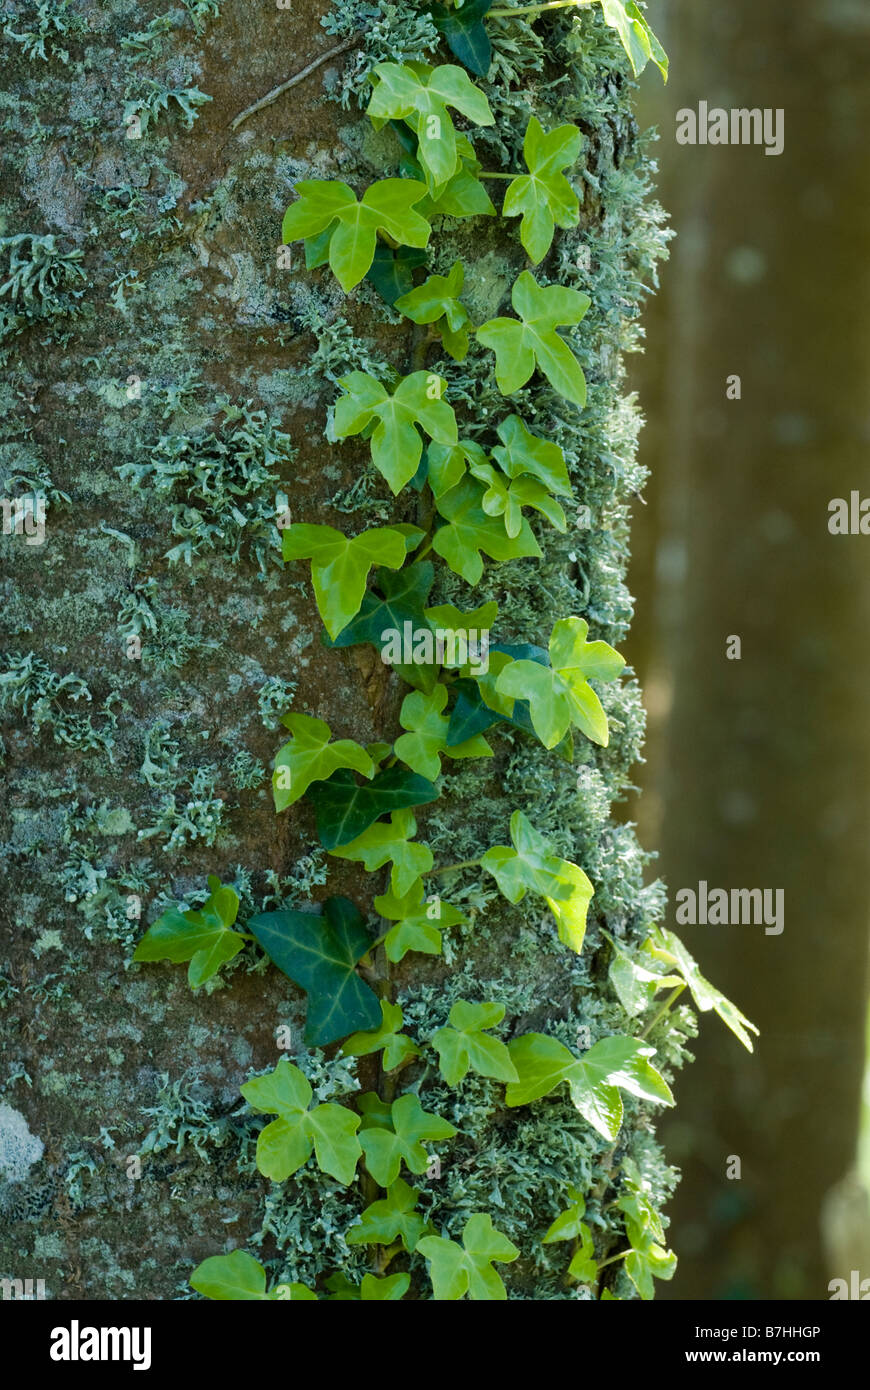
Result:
[[449, 868], [536, 9], [483, 175], [611, 1259], [672, 997]]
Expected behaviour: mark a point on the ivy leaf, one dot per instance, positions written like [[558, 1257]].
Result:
[[437, 301], [507, 499], [635, 986], [594, 1080], [420, 95], [465, 33], [648, 1258], [391, 1288], [202, 935], [285, 1144], [387, 206], [421, 748], [395, 443], [310, 757], [340, 566], [400, 601], [468, 531], [463, 195], [383, 842], [479, 706], [446, 463], [393, 1218], [531, 340], [417, 922], [318, 952], [544, 197], [635, 35], [464, 1046], [560, 695], [396, 1046], [391, 272], [564, 886], [386, 1149], [522, 452], [467, 1268], [568, 1224], [651, 1261], [344, 809], [669, 948], [236, 1276], [451, 619]]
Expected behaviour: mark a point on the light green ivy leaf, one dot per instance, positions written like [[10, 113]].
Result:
[[390, 841], [202, 935], [530, 865], [285, 1144], [420, 95], [635, 985], [522, 452], [310, 757], [670, 949], [635, 35], [531, 339], [396, 444], [386, 1149], [437, 301], [340, 565], [594, 1080], [386, 206], [544, 197], [560, 695], [418, 922], [397, 1046], [469, 530], [392, 1218], [239, 1278], [422, 747], [457, 1270], [464, 1046]]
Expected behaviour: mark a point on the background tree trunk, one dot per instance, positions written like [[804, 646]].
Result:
[[758, 768]]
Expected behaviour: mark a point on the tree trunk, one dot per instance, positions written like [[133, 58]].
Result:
[[170, 378]]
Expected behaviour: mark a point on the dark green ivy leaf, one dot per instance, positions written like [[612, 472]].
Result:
[[391, 272], [318, 951], [404, 596], [344, 809], [465, 33], [471, 715]]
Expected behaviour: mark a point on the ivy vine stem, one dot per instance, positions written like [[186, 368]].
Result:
[[449, 868], [671, 999], [611, 1259]]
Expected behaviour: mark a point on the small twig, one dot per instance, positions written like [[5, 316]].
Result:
[[276, 92]]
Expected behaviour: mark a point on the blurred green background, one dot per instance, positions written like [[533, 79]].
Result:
[[758, 769]]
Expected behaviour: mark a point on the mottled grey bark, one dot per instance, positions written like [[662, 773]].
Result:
[[181, 376]]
